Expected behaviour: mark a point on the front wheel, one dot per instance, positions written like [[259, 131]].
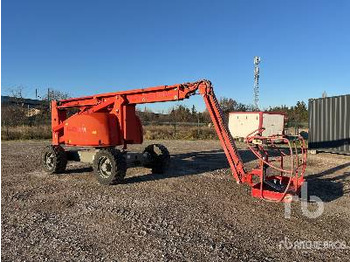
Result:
[[54, 159], [109, 166]]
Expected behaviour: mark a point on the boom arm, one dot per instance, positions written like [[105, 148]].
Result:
[[138, 96]]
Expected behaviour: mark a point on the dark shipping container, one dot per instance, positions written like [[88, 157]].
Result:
[[329, 124]]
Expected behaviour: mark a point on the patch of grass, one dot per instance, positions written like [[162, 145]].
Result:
[[25, 132], [179, 132], [151, 132]]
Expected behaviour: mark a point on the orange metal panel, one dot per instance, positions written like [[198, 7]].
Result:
[[132, 126], [92, 130]]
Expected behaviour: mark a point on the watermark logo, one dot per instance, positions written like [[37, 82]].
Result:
[[314, 213], [309, 245]]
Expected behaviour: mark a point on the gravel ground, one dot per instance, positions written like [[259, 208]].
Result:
[[195, 212]]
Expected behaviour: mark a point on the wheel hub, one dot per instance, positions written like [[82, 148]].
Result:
[[105, 167], [49, 160]]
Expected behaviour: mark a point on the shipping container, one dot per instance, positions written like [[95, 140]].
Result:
[[329, 124], [242, 124]]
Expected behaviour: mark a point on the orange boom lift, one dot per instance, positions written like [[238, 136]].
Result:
[[103, 122]]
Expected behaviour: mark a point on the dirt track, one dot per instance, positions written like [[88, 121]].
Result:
[[196, 212]]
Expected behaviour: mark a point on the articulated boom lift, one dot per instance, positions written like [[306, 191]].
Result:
[[105, 121]]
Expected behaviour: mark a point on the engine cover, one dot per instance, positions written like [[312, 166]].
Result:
[[96, 129]]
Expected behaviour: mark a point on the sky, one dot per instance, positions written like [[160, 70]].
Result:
[[87, 47]]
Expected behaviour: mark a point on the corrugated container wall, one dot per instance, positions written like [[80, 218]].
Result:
[[329, 124]]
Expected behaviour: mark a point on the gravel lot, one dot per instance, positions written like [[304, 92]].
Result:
[[195, 212]]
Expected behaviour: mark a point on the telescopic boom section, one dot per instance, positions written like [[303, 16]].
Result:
[[138, 96], [120, 103]]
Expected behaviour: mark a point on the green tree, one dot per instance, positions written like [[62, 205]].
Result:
[[227, 105]]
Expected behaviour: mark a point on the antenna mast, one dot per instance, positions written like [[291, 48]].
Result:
[[256, 82]]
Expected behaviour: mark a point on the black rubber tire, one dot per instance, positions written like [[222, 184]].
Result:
[[160, 161], [54, 159], [114, 164]]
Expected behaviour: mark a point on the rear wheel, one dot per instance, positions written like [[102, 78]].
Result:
[[157, 157], [109, 166], [54, 159]]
